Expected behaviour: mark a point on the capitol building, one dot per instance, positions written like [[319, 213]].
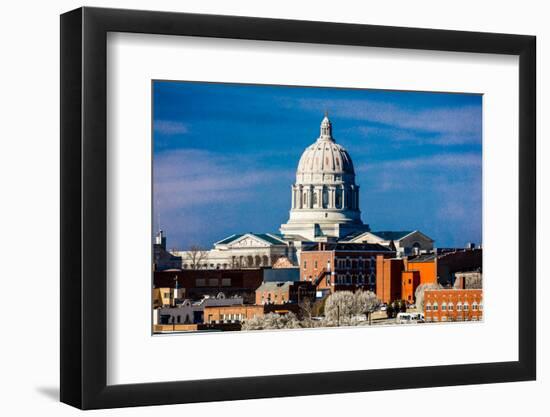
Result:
[[325, 207]]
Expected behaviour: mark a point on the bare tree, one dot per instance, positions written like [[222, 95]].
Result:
[[197, 256], [419, 293], [306, 312]]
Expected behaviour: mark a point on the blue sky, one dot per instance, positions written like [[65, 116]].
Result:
[[225, 157]]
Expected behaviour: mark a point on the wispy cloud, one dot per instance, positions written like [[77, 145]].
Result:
[[446, 161], [448, 125], [169, 127], [185, 178]]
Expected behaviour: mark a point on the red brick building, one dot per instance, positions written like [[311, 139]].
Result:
[[397, 279], [232, 314], [388, 278], [342, 266], [453, 305]]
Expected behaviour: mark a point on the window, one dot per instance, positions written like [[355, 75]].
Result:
[[338, 194], [474, 306], [450, 307], [226, 282], [459, 307], [465, 307], [315, 264], [305, 264], [435, 307], [428, 307], [200, 282], [213, 282], [443, 307]]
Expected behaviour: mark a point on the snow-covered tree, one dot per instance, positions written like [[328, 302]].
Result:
[[340, 307], [366, 303], [344, 308], [272, 321]]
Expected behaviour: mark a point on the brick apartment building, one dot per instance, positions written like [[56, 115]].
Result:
[[342, 266], [232, 314], [453, 305]]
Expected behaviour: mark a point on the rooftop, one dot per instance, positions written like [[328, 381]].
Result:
[[364, 247], [272, 238]]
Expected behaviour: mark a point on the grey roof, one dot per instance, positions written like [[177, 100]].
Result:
[[366, 247], [270, 286], [423, 258], [389, 235]]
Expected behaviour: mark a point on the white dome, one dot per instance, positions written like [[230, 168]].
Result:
[[325, 198], [325, 156]]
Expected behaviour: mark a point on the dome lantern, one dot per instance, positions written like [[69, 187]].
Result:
[[326, 129]]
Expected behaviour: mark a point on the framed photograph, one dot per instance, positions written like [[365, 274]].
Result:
[[257, 208]]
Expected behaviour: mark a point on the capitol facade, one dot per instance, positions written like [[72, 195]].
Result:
[[325, 207]]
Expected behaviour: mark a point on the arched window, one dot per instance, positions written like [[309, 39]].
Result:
[[444, 307], [450, 307], [325, 198], [435, 307], [338, 198], [314, 198], [428, 307]]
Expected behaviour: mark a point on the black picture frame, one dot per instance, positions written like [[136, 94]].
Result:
[[84, 207]]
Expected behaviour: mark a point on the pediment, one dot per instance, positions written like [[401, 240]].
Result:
[[248, 241]]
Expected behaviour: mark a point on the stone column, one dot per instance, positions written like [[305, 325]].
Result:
[[319, 191], [344, 194]]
